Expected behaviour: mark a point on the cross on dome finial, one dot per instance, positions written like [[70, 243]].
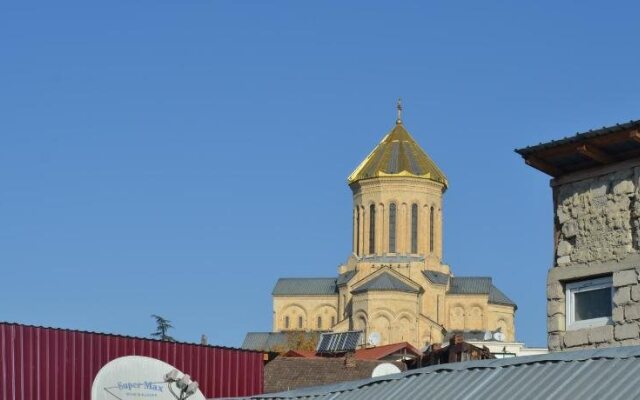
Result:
[[399, 107]]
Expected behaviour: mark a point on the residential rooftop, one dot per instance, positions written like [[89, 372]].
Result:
[[608, 373], [585, 150]]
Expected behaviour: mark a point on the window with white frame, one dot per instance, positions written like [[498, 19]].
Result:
[[589, 303]]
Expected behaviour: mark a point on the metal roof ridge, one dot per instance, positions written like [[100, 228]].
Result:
[[472, 277]]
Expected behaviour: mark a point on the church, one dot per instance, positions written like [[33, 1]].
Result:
[[394, 286]]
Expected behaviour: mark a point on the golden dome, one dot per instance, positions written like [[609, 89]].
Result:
[[398, 154]]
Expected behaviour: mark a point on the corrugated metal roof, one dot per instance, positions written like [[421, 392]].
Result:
[[376, 353], [115, 335], [605, 130], [479, 285], [60, 364], [305, 286], [268, 341], [592, 149], [497, 297], [385, 281], [438, 278], [470, 285], [263, 341], [610, 373]]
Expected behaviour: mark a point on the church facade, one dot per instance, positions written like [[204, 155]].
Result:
[[394, 283]]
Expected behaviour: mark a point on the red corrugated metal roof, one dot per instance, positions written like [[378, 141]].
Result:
[[376, 353], [301, 353], [60, 364]]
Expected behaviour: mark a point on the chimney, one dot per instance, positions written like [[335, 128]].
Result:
[[350, 360], [456, 339], [203, 340]]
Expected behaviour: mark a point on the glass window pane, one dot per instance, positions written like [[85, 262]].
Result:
[[592, 304]]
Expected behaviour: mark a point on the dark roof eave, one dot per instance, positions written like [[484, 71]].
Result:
[[525, 151], [514, 305]]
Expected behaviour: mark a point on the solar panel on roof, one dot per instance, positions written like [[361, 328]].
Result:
[[339, 342]]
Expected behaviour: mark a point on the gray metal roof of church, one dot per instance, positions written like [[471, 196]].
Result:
[[436, 277], [305, 287], [385, 281], [497, 297], [328, 286], [346, 277], [479, 285], [470, 285], [608, 373]]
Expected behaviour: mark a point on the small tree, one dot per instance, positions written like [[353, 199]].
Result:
[[162, 327]]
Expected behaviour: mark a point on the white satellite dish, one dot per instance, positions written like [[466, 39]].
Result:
[[488, 335], [137, 377], [499, 336], [374, 339], [385, 369]]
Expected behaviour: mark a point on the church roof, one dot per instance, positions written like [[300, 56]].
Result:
[[305, 286], [398, 154], [385, 281], [470, 285], [346, 277], [436, 277], [497, 297], [479, 285]]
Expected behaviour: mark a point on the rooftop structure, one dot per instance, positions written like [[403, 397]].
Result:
[[609, 373], [585, 150], [593, 290]]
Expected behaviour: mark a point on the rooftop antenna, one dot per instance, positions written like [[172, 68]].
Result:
[[399, 107]]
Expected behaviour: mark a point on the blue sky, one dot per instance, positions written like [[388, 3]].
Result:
[[177, 157]]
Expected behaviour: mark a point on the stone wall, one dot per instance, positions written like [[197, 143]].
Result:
[[598, 218], [597, 225], [626, 317]]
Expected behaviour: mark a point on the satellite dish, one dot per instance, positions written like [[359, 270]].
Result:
[[138, 377], [488, 335], [499, 336], [374, 339], [385, 369]]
